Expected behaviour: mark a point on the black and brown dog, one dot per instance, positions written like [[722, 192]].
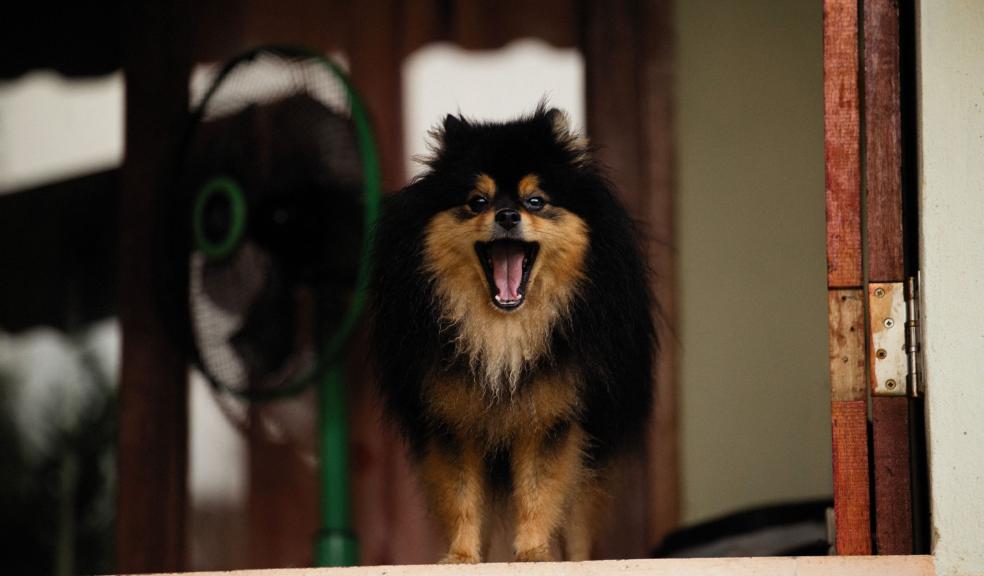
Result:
[[512, 329]]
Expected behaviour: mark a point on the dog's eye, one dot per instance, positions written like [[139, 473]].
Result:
[[534, 203], [478, 204]]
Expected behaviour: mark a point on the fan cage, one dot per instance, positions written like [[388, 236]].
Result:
[[311, 73]]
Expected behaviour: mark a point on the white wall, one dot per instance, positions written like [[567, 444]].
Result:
[[442, 79], [951, 126], [52, 128], [755, 402]]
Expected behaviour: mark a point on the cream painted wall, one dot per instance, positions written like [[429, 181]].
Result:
[[754, 393], [951, 126]]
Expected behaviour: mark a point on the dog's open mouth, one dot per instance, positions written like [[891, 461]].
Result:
[[507, 265]]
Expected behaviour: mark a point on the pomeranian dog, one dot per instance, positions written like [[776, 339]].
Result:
[[512, 332]]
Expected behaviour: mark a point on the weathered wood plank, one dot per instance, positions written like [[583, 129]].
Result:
[[884, 264], [845, 333], [850, 458], [842, 143], [883, 141], [890, 465], [842, 140]]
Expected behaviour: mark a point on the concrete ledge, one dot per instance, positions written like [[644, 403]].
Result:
[[788, 566]]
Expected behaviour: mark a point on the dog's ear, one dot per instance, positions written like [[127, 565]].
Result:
[[453, 127], [574, 143], [452, 123], [442, 136], [559, 121], [447, 133]]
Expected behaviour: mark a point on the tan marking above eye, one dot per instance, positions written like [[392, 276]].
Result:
[[529, 185], [485, 185]]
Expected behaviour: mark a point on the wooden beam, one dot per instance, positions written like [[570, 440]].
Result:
[[842, 141], [849, 421], [627, 47], [374, 50], [659, 206], [883, 142], [884, 263], [890, 469], [845, 330], [153, 380]]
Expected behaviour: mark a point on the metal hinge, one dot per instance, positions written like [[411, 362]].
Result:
[[893, 316], [913, 341]]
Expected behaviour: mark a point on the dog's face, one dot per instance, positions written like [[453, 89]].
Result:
[[507, 239], [506, 244]]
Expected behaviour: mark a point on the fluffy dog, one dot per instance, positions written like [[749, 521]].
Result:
[[512, 331]]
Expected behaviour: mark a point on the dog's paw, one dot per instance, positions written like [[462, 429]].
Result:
[[538, 554], [460, 558]]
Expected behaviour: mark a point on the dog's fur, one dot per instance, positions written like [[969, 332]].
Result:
[[526, 404]]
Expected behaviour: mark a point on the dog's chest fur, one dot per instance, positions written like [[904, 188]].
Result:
[[547, 398], [500, 348]]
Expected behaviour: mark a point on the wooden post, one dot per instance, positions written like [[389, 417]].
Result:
[[657, 83], [849, 420], [842, 141], [884, 263], [627, 49], [153, 380]]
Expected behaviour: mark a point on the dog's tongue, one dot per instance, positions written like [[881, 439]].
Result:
[[507, 269]]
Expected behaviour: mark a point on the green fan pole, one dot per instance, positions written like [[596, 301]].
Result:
[[336, 545]]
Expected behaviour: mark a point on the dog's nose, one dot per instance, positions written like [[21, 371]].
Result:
[[507, 218]]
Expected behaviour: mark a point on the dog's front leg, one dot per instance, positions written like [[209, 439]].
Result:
[[454, 474], [547, 467]]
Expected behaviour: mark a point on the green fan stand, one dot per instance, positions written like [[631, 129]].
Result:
[[335, 543]]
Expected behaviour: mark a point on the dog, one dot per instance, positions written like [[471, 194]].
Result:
[[512, 331]]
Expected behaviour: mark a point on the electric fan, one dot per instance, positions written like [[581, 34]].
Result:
[[277, 193]]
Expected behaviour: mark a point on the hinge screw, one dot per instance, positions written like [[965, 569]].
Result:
[[879, 292], [889, 322], [881, 354], [890, 384]]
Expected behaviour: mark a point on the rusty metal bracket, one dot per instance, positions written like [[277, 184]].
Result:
[[887, 319]]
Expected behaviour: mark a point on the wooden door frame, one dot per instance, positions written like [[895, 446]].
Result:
[[864, 175]]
